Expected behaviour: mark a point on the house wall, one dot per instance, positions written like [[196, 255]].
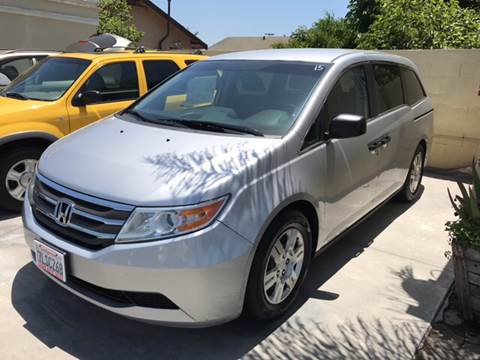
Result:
[[46, 24], [155, 27], [452, 79]]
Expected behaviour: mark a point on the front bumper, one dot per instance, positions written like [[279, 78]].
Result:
[[204, 274]]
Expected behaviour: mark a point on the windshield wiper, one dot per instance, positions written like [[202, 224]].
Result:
[[205, 125], [162, 121], [16, 95], [196, 124], [135, 114]]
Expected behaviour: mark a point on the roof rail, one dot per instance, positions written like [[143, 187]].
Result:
[[10, 51]]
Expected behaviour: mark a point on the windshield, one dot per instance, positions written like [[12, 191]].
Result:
[[254, 96], [48, 80]]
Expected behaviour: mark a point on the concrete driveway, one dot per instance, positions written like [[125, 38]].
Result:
[[371, 295]]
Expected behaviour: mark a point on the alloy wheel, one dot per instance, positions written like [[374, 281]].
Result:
[[284, 266], [19, 177], [416, 172]]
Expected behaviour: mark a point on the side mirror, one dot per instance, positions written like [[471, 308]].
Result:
[[88, 97], [347, 126]]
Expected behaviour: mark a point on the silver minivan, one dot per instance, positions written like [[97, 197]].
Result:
[[211, 194]]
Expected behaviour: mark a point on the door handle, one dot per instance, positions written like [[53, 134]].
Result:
[[374, 145], [378, 143], [385, 140]]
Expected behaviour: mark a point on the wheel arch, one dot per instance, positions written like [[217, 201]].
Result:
[[34, 138], [303, 203], [423, 142]]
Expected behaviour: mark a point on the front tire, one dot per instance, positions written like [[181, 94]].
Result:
[[411, 188], [16, 171], [279, 266]]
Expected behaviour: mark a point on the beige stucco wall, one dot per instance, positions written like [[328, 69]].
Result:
[[154, 26], [46, 24], [452, 79]]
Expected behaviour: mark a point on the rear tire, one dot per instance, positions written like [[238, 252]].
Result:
[[279, 267], [16, 170], [411, 188]]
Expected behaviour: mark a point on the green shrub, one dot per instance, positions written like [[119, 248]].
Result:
[[466, 229], [327, 32], [422, 24]]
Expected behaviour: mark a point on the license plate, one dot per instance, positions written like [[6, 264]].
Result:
[[50, 260]]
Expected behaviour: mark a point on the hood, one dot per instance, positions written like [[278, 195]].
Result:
[[9, 106], [144, 164]]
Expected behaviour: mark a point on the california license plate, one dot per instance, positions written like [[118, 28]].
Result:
[[50, 260]]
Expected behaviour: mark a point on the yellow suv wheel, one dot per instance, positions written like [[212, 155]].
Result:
[[17, 169]]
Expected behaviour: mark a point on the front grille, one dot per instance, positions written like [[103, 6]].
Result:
[[93, 223]]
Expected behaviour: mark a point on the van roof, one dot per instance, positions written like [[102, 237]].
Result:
[[312, 55]]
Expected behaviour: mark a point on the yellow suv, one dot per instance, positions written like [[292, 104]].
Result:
[[64, 93]]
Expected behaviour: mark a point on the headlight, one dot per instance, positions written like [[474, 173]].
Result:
[[158, 223]]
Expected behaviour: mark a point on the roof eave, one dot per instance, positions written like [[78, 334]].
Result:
[[195, 40]]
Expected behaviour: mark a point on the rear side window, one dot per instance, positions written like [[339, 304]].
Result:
[[158, 70], [387, 87], [115, 82], [413, 88], [189, 62]]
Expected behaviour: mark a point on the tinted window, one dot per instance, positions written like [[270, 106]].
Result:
[[266, 96], [313, 134], [349, 95], [15, 67], [49, 79], [188, 62], [115, 82], [40, 58], [413, 89], [158, 70], [387, 87]]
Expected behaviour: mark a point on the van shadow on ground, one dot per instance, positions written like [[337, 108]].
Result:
[[60, 319]]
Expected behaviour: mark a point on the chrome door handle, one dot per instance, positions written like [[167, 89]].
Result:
[[381, 142], [385, 141]]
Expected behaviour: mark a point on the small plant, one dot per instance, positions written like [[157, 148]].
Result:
[[465, 231]]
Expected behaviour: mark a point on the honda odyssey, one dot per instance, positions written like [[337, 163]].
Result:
[[210, 195]]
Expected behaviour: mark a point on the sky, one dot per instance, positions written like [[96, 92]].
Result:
[[216, 19]]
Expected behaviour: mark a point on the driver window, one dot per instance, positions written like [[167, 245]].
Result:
[[349, 95], [115, 82]]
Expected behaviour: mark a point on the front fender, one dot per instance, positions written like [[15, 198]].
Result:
[[254, 207]]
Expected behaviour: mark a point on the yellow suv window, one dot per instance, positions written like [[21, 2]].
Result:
[[158, 70], [115, 82], [49, 79]]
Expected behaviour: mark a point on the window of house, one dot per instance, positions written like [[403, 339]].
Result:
[[115, 82], [387, 87], [413, 88], [158, 70]]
